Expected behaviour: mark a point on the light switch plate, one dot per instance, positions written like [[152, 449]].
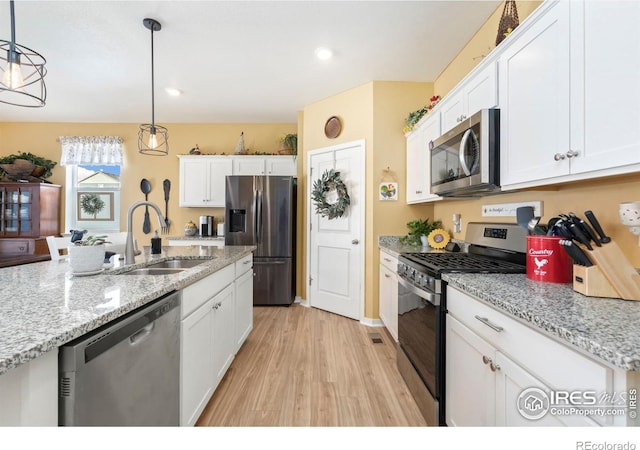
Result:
[[509, 209]]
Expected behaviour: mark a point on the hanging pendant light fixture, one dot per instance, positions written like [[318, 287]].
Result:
[[152, 138], [22, 72]]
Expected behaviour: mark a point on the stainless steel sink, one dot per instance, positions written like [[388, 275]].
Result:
[[155, 271], [176, 264]]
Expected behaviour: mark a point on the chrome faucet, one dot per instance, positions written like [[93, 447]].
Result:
[[129, 251]]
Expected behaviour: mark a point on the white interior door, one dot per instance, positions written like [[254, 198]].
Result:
[[336, 246]]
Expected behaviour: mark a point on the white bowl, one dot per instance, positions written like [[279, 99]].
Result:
[[89, 258]]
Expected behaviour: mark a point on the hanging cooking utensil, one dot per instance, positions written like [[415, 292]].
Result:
[[523, 215], [166, 186], [145, 187]]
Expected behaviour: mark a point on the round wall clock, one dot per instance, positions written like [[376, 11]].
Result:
[[332, 127]]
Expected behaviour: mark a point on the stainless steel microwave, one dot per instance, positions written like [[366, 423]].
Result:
[[465, 161]]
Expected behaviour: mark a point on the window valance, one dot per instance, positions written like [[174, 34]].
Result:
[[91, 150]]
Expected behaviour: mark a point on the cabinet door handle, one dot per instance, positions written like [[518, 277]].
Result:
[[558, 156], [572, 153], [386, 275], [486, 359], [494, 367], [418, 192], [488, 323]]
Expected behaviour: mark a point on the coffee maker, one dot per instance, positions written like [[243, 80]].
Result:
[[207, 226]]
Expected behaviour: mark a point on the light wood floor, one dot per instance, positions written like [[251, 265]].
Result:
[[306, 367]]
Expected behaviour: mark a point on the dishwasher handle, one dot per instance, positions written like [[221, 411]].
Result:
[[135, 326]]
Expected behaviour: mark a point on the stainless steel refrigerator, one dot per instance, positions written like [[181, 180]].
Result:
[[261, 211]]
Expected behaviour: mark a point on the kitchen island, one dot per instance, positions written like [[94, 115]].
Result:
[[44, 306]]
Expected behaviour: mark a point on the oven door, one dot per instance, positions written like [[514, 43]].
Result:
[[421, 334]]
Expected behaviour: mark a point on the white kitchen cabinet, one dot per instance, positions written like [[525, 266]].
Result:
[[265, 165], [224, 347], [202, 180], [478, 91], [490, 362], [388, 293], [196, 362], [605, 52], [208, 343], [29, 393], [244, 300], [534, 99], [558, 123], [419, 159]]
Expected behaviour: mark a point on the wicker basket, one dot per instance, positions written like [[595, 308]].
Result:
[[509, 20]]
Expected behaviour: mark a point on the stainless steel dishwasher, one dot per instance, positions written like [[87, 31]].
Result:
[[126, 373]]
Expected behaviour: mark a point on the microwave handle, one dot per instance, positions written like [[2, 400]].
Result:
[[463, 144]]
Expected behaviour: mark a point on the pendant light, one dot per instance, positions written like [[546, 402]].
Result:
[[22, 72], [152, 138]]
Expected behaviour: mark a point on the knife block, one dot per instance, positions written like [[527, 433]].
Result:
[[614, 271], [591, 282]]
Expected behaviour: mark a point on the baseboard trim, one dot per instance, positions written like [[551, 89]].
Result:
[[371, 322], [301, 301]]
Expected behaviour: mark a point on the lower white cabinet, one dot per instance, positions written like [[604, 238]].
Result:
[[499, 370], [29, 393], [211, 317], [388, 293], [244, 300]]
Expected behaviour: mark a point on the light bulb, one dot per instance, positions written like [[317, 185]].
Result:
[[12, 77], [153, 141]]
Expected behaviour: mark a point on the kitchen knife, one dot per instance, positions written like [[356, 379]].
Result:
[[585, 228], [594, 222], [579, 235], [576, 253]]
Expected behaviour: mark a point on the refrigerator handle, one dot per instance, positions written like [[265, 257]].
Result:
[[255, 216], [259, 216]]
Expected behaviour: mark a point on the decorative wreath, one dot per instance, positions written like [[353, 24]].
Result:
[[91, 204], [330, 180]]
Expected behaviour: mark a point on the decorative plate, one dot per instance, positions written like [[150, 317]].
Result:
[[438, 238], [333, 127]]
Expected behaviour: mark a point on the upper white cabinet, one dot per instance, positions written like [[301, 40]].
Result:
[[606, 60], [478, 91], [419, 161], [202, 180], [265, 165], [569, 94]]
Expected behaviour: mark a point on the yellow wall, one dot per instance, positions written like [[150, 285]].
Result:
[[374, 112], [477, 48], [40, 139], [601, 196]]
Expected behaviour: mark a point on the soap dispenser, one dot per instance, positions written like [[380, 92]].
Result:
[[156, 244]]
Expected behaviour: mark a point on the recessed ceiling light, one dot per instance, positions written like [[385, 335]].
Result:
[[173, 92], [324, 53]]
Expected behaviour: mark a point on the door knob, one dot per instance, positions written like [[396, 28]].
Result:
[[355, 242]]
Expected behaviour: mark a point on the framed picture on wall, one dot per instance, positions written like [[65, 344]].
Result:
[[388, 190], [96, 206]]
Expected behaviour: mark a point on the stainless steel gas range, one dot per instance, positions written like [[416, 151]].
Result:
[[422, 305]]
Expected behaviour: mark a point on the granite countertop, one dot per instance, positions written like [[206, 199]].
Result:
[[196, 238], [43, 305], [606, 328], [392, 244]]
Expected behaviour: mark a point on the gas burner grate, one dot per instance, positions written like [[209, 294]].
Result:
[[463, 262]]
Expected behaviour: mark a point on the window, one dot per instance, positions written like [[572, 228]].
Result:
[[93, 182], [92, 198]]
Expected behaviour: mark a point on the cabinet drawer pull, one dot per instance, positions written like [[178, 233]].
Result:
[[387, 259], [488, 323], [418, 192], [386, 275]]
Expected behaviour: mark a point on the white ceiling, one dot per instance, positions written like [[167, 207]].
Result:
[[235, 61]]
